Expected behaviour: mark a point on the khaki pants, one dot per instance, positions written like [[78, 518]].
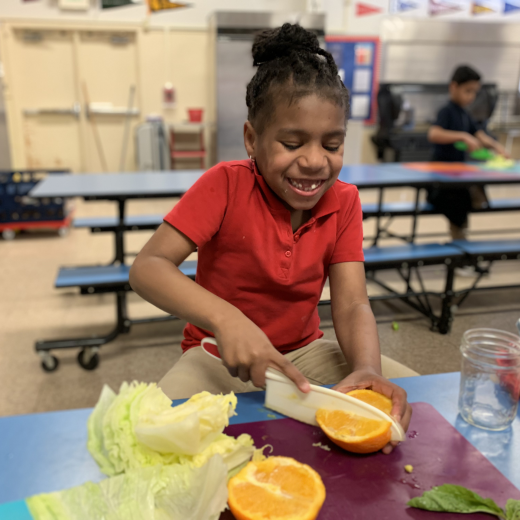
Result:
[[321, 362]]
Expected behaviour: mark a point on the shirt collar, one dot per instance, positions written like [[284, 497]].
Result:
[[458, 107], [328, 204]]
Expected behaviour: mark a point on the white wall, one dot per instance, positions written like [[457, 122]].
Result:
[[428, 51]]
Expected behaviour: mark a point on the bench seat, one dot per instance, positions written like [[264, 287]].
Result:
[[106, 278], [107, 224], [403, 209], [489, 249], [411, 254]]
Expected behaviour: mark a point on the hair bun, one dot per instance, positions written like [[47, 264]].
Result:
[[283, 41]]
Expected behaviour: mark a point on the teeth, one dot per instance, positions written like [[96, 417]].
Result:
[[300, 186]]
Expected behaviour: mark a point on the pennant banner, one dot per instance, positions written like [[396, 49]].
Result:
[[161, 5], [367, 9], [409, 8], [108, 4], [512, 7], [487, 8], [450, 8]]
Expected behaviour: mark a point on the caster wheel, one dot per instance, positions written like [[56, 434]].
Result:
[[50, 363], [63, 231], [87, 359], [8, 234]]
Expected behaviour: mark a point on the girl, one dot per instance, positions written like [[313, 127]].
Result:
[[269, 231]]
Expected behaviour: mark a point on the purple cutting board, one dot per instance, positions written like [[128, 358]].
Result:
[[376, 485]]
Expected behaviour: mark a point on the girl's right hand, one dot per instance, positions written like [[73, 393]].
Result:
[[247, 353]]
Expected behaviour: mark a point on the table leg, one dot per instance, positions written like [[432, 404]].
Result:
[[120, 234], [444, 323], [415, 215], [379, 215]]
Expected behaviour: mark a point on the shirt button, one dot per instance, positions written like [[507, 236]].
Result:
[[288, 254]]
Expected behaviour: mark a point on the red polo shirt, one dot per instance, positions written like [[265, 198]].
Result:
[[249, 255]]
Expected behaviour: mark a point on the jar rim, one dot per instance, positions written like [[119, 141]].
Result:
[[490, 333], [485, 343]]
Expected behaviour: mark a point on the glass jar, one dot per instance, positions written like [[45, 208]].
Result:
[[490, 378]]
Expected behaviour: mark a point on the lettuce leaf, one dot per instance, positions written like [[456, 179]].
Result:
[[186, 429], [175, 492], [124, 497], [451, 498], [233, 451], [193, 493], [96, 444], [513, 509], [117, 449], [139, 428]]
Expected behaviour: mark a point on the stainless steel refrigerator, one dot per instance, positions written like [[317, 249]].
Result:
[[233, 35]]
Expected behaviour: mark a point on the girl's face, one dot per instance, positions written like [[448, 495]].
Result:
[[300, 151]]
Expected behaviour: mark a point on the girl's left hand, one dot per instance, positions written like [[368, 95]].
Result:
[[401, 410]]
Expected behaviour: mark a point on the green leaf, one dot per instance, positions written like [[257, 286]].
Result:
[[187, 429], [138, 428], [175, 492], [193, 493], [513, 509], [450, 498], [124, 497]]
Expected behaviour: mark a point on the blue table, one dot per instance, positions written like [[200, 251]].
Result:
[[47, 452]]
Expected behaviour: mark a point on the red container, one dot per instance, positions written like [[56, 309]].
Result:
[[195, 115]]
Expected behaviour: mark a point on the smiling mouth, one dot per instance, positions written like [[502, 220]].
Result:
[[305, 184]]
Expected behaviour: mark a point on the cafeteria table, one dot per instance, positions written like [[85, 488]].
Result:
[[121, 187], [45, 452], [118, 187]]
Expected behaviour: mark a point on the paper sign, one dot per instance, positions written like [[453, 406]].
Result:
[[360, 106], [363, 54], [362, 80]]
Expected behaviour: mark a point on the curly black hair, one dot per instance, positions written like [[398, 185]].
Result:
[[464, 73], [291, 64]]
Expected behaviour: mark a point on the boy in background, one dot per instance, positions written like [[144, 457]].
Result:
[[454, 124]]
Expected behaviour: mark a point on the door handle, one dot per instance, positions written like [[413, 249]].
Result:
[[107, 109], [75, 111]]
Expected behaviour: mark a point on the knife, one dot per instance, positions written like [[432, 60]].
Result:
[[283, 396]]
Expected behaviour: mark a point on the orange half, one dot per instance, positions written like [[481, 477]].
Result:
[[380, 401], [278, 488], [353, 432]]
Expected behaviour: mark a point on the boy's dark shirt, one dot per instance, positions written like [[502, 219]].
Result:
[[453, 117]]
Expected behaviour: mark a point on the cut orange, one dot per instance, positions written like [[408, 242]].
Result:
[[353, 432], [278, 488], [380, 401]]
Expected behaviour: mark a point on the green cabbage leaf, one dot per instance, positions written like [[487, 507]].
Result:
[[175, 492]]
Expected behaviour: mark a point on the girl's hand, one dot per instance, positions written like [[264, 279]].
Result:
[[401, 410], [247, 353]]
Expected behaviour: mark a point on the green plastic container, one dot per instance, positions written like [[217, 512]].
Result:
[[482, 154]]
